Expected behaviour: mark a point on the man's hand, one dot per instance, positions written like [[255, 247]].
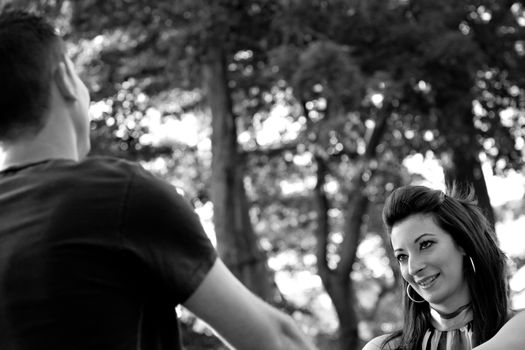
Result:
[[240, 318]]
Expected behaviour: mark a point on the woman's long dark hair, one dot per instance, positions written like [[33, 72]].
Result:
[[456, 213]]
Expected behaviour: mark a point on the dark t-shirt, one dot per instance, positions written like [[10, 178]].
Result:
[[95, 255]]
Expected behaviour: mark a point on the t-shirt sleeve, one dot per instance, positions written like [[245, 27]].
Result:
[[162, 228]]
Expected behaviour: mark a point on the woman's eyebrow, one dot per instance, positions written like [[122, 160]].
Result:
[[422, 236], [416, 240]]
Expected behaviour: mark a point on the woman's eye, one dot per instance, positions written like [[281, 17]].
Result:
[[426, 244], [401, 258]]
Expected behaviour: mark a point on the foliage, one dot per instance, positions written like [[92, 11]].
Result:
[[447, 76]]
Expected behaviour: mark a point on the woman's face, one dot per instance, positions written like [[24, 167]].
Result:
[[431, 262]]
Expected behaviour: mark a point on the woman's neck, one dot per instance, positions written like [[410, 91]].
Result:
[[452, 314]]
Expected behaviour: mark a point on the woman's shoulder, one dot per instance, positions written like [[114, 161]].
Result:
[[514, 312], [510, 336], [377, 343]]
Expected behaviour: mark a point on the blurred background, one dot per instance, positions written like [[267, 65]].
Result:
[[287, 122]]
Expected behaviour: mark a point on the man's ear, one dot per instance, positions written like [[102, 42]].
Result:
[[65, 83]]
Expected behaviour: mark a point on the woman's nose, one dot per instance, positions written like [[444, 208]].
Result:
[[415, 264]]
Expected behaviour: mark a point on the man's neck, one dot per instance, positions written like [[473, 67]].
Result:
[[16, 158], [38, 148], [11, 160]]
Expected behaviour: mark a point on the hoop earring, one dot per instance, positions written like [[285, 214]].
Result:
[[414, 300], [472, 264]]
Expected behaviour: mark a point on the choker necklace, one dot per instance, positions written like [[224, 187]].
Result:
[[452, 314]]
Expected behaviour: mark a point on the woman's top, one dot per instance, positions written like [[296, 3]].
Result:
[[449, 331]]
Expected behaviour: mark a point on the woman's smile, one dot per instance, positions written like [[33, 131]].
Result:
[[427, 282]]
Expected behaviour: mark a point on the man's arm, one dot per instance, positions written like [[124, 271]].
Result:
[[510, 337], [377, 343], [240, 318]]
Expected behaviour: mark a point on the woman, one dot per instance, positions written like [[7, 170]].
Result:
[[454, 273], [510, 337]]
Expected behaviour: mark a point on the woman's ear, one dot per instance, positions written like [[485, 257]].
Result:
[[64, 81]]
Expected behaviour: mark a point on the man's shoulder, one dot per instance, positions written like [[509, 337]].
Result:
[[106, 162], [102, 166], [139, 184], [377, 343]]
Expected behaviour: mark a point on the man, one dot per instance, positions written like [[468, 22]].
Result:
[[95, 253]]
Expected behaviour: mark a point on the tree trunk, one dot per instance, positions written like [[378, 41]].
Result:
[[357, 208], [464, 167], [236, 242], [337, 281]]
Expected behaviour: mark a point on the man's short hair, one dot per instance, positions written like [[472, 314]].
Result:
[[29, 49]]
